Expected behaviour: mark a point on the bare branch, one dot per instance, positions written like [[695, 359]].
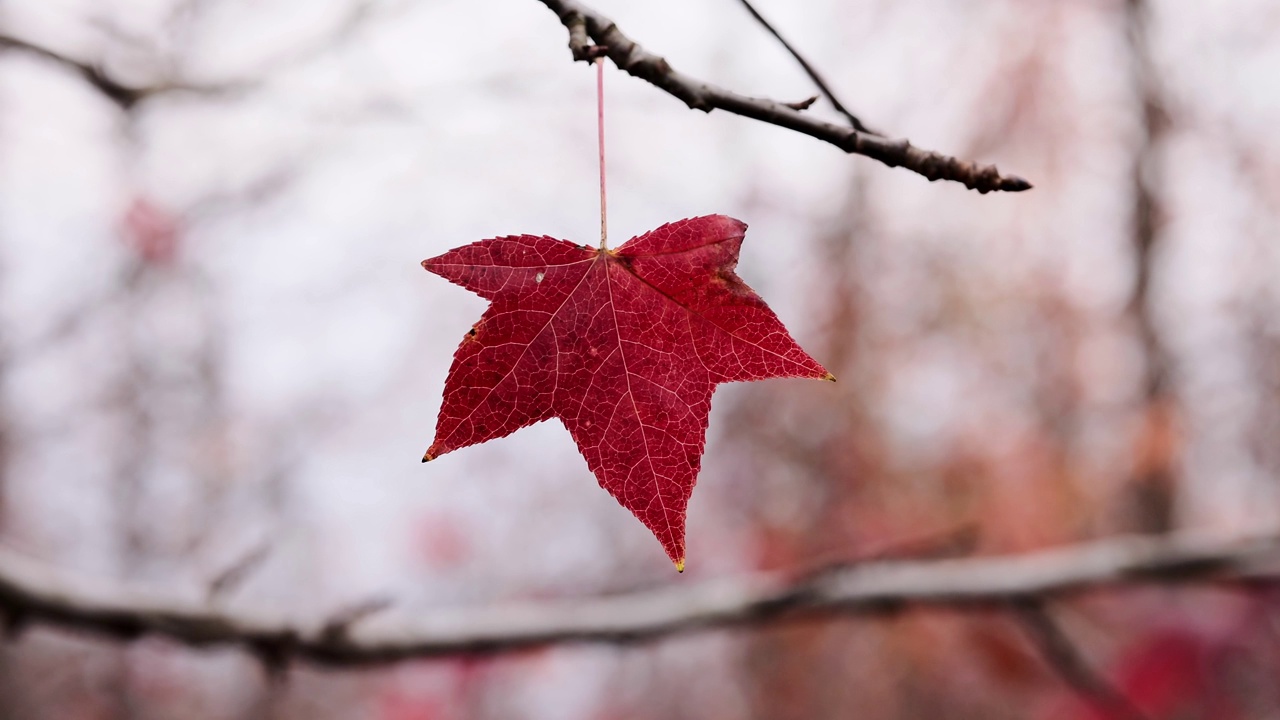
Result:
[[1145, 178], [586, 24], [234, 575], [126, 96], [32, 592], [1152, 490], [809, 70], [1068, 662]]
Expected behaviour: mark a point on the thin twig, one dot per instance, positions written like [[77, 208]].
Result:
[[809, 70], [953, 542], [586, 26], [234, 575], [804, 104], [1069, 663], [33, 592]]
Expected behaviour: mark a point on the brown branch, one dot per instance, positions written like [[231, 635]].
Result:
[[586, 26], [1145, 179], [1069, 663], [234, 575], [809, 70], [32, 592], [1152, 490], [125, 96]]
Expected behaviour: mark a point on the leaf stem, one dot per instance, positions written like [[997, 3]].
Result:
[[604, 226]]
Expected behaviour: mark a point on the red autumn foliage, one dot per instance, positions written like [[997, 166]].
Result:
[[625, 347], [151, 232], [1177, 668], [441, 541]]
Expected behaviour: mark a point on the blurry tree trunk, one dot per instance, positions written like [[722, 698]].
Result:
[[1152, 494]]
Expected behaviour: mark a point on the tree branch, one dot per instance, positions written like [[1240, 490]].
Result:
[[32, 592], [125, 96], [586, 26], [1069, 663], [809, 70]]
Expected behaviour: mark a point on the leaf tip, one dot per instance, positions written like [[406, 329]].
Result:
[[680, 565], [429, 456], [830, 378], [434, 264]]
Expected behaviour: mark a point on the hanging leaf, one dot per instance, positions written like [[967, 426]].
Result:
[[625, 347]]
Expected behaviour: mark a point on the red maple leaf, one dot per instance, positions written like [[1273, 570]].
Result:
[[624, 346]]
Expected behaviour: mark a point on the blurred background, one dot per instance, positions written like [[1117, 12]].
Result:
[[220, 360]]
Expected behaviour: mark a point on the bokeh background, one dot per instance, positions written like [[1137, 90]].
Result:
[[218, 350]]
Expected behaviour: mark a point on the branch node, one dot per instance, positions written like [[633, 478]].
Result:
[[336, 629], [579, 42], [274, 654], [803, 104], [15, 623]]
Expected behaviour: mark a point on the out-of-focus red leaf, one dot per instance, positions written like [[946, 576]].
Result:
[[1167, 673], [440, 541], [395, 705], [1170, 674], [1004, 654], [151, 232], [625, 347], [435, 690]]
